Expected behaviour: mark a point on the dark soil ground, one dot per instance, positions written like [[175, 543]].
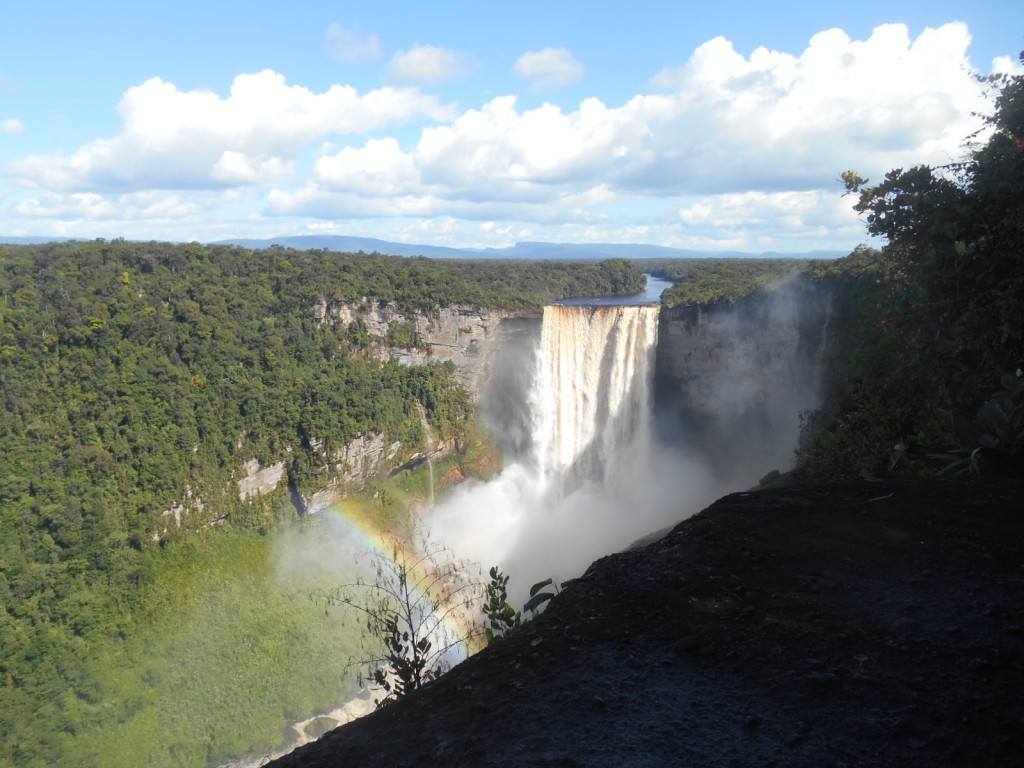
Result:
[[862, 624]]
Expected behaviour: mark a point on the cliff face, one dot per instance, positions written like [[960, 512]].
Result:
[[732, 380], [746, 370], [468, 337]]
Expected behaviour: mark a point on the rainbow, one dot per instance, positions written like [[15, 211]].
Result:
[[408, 552]]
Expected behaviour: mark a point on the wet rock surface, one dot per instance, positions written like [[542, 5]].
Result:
[[874, 623]]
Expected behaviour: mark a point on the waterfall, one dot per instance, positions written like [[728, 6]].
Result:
[[591, 394], [586, 481]]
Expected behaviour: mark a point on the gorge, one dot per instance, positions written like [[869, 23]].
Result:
[[178, 415], [617, 421], [867, 623], [594, 461]]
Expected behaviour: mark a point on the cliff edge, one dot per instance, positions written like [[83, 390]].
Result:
[[873, 623]]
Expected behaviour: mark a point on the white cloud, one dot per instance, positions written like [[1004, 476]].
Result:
[[12, 125], [776, 121], [91, 206], [175, 139], [346, 44], [1007, 65], [724, 149], [549, 68], [498, 144], [428, 65], [379, 168], [764, 219], [750, 144], [237, 167]]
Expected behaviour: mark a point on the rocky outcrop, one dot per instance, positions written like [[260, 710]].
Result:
[[191, 504], [259, 480], [468, 337], [368, 455]]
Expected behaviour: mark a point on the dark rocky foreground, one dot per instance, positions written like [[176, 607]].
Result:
[[876, 623]]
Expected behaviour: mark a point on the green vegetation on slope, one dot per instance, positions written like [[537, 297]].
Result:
[[136, 374], [718, 281], [934, 332], [225, 650]]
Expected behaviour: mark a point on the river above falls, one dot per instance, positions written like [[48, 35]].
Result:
[[650, 295]]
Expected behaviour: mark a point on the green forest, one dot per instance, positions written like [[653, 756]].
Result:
[[136, 376], [930, 331], [718, 281]]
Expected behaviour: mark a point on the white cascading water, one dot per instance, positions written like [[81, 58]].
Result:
[[592, 392], [573, 496]]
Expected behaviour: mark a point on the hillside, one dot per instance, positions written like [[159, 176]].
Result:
[[148, 388], [870, 623]]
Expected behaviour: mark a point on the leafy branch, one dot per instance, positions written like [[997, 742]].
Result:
[[417, 612]]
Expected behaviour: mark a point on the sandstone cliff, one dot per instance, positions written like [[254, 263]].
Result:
[[468, 337]]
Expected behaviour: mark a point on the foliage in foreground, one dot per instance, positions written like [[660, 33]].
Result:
[[936, 338], [417, 611], [501, 617]]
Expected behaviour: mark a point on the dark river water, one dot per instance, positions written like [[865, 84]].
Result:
[[650, 295]]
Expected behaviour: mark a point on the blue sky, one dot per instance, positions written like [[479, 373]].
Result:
[[710, 126]]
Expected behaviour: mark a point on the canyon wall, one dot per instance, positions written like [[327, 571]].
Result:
[[732, 380], [468, 337]]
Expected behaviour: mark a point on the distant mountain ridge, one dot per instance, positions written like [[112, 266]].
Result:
[[523, 250]]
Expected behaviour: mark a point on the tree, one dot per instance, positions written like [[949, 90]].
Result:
[[937, 354], [417, 611]]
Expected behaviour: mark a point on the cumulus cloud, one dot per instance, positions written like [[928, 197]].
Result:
[[175, 139], [722, 124], [379, 168], [549, 68], [428, 65], [735, 148], [778, 121], [768, 215], [92, 206], [1006, 65], [746, 148], [238, 167], [347, 44], [12, 125]]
